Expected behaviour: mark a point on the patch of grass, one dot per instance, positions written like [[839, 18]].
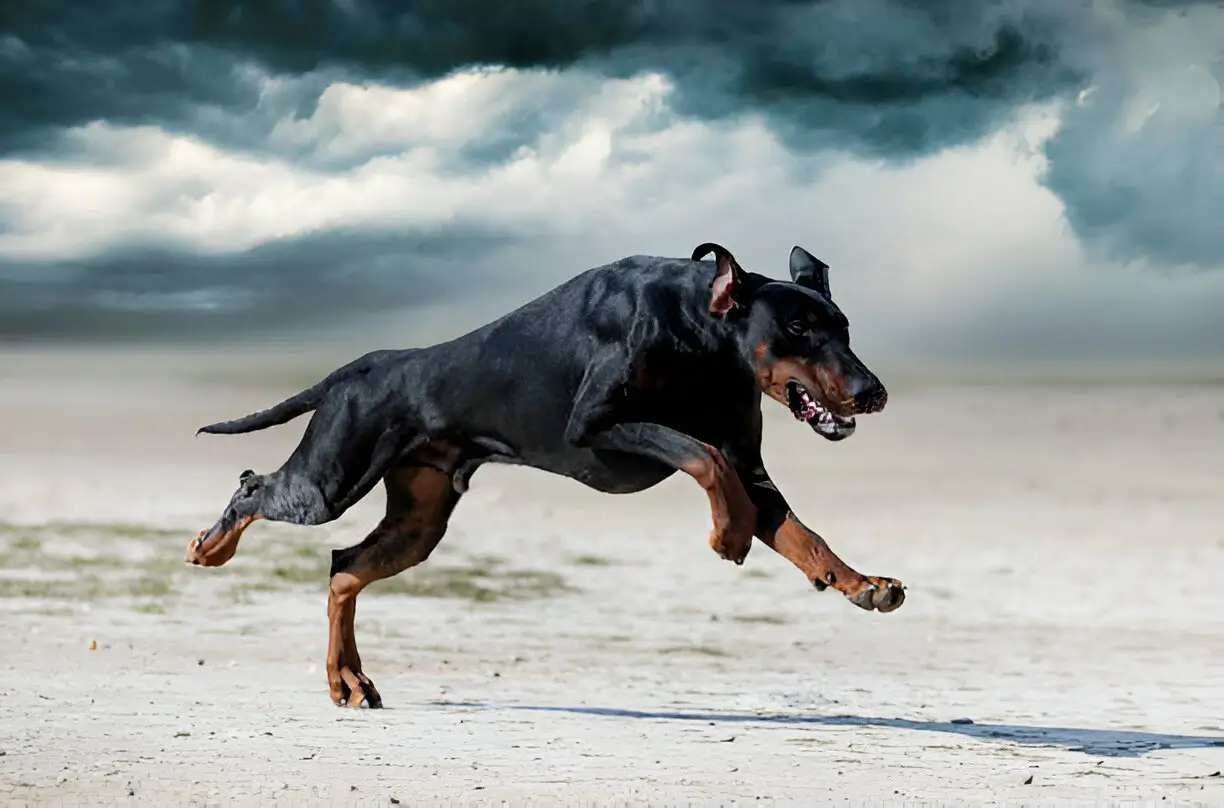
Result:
[[149, 587], [102, 566], [703, 650], [484, 579], [150, 608], [257, 586], [477, 583], [85, 587], [298, 574], [756, 574], [770, 619], [80, 562], [118, 530], [592, 561]]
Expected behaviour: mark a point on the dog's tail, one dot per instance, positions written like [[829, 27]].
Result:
[[283, 412], [295, 405]]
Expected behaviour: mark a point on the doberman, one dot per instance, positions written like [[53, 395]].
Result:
[[616, 378]]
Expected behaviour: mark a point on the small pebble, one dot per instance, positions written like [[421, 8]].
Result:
[[93, 645]]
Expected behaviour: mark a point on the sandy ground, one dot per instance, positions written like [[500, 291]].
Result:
[[1063, 640]]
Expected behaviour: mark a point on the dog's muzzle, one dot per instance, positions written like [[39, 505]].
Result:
[[807, 407]]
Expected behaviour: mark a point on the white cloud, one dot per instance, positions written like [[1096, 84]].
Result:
[[608, 163], [932, 246], [157, 187]]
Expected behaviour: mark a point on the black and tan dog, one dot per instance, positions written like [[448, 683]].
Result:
[[617, 378]]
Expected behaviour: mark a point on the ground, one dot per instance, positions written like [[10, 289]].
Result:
[[1062, 542]]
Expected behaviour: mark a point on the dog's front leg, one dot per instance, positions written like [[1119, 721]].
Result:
[[594, 424], [779, 528], [731, 509]]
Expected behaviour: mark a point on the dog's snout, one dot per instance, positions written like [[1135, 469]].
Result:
[[872, 399], [870, 396]]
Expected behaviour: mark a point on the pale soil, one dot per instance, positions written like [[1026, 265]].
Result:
[[1063, 548]]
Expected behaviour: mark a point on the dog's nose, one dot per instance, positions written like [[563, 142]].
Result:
[[871, 400]]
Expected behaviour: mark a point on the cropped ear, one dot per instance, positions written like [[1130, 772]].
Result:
[[808, 270], [729, 289]]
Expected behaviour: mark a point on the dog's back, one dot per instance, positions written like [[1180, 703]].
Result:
[[525, 366]]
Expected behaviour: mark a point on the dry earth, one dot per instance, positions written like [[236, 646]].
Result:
[[1063, 642]]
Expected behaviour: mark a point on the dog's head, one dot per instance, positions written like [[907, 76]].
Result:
[[797, 340]]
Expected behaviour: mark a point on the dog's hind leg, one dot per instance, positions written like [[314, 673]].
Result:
[[421, 496], [341, 456]]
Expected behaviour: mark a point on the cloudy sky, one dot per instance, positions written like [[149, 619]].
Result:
[[1004, 178]]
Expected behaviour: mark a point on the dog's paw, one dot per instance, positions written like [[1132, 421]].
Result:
[[354, 689], [731, 545], [878, 594]]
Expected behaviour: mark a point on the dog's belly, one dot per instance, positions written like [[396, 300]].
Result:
[[607, 471]]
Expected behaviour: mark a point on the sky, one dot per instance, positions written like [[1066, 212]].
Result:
[[1004, 179]]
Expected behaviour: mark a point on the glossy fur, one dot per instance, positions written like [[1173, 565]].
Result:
[[617, 378]]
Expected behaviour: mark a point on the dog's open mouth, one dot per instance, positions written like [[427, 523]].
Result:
[[807, 407]]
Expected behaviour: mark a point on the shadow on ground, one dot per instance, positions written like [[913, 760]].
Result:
[[1096, 742]]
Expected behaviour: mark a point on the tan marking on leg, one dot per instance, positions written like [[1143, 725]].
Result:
[[420, 500], [731, 508], [804, 548]]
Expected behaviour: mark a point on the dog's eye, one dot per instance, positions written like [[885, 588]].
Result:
[[797, 327]]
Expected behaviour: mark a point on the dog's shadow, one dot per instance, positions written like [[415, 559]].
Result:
[[1095, 742]]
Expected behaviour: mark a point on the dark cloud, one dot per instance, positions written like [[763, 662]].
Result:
[[315, 282], [892, 79], [864, 70], [1151, 188]]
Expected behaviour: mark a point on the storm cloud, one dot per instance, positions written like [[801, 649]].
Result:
[[128, 127], [892, 77], [318, 279]]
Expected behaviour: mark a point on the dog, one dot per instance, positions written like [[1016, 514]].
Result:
[[617, 378]]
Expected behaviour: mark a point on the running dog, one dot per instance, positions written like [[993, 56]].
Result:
[[618, 378]]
